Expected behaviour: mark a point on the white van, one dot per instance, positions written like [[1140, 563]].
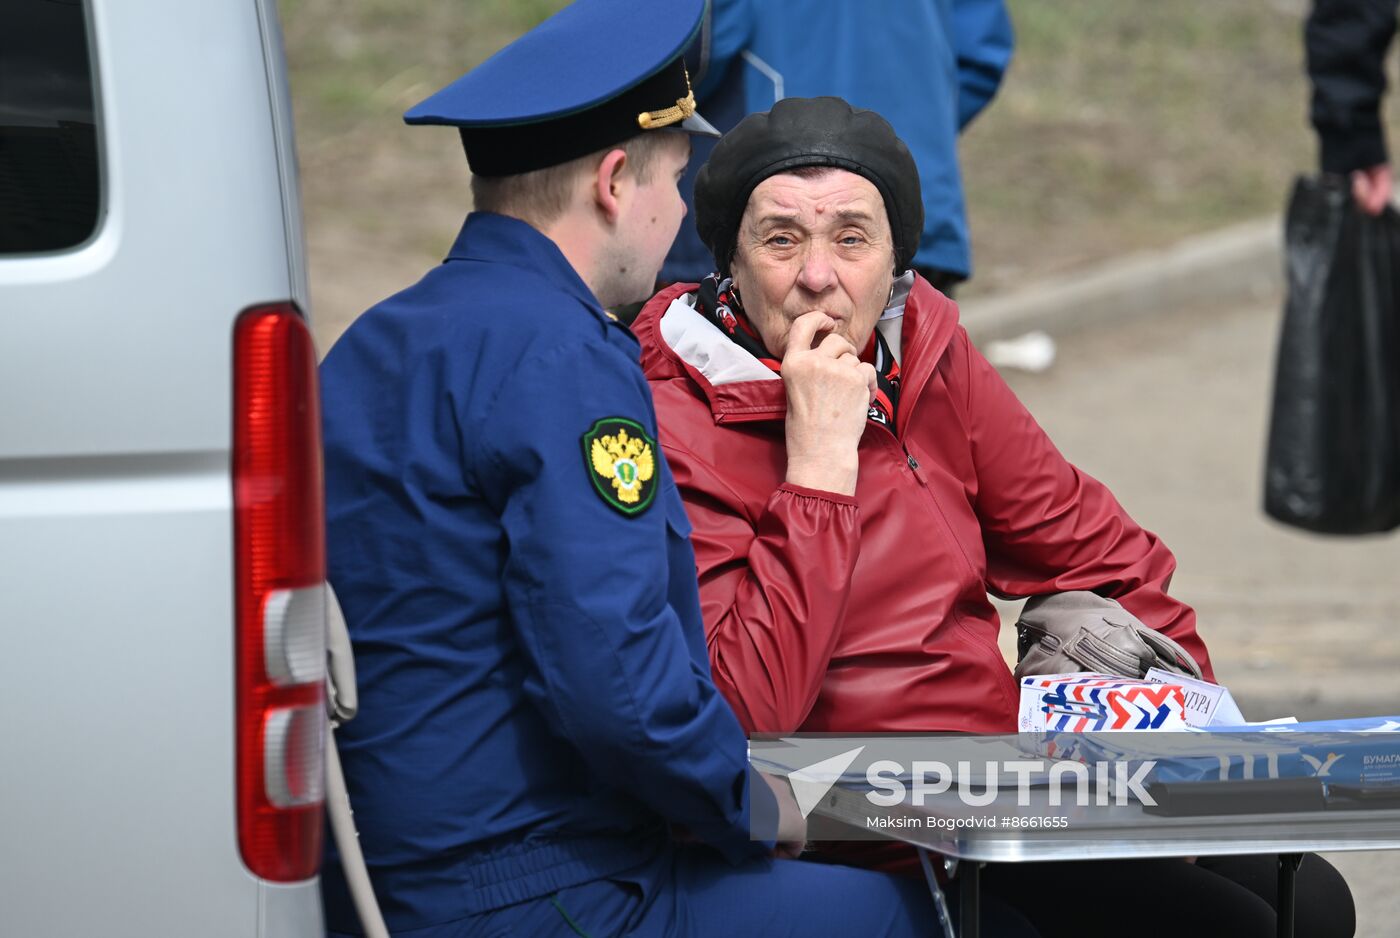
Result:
[[161, 529]]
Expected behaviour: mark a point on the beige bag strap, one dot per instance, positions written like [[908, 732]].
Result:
[[342, 702]]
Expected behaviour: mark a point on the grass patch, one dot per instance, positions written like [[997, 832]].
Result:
[[1119, 126], [1124, 126]]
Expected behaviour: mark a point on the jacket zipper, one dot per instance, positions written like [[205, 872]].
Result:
[[909, 459], [989, 647]]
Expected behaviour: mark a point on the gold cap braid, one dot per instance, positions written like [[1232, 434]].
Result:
[[685, 107]]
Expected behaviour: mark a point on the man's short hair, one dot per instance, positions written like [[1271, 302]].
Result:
[[541, 196]]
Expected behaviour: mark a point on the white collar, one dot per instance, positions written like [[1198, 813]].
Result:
[[702, 345]]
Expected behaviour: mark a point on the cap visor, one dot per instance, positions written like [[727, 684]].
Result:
[[696, 124]]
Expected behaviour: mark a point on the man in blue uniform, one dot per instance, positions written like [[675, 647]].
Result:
[[540, 749]]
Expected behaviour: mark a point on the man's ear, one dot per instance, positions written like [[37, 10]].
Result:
[[609, 180]]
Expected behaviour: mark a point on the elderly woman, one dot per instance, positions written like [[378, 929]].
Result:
[[859, 477]]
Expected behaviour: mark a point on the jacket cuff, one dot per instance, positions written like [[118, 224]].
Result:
[[818, 493], [763, 812], [757, 830], [1342, 151]]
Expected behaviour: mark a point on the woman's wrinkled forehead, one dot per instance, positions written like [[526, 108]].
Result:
[[813, 198]]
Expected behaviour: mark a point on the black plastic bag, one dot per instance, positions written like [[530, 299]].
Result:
[[1333, 461]]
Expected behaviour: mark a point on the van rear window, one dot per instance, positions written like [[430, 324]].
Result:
[[49, 190]]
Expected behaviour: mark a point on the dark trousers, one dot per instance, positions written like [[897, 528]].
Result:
[[1230, 897]]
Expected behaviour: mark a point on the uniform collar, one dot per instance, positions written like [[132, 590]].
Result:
[[500, 239]]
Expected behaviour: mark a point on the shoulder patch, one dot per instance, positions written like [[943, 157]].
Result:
[[620, 460]]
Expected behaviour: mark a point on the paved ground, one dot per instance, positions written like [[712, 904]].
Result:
[[1171, 414]]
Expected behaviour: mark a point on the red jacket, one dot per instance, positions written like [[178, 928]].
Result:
[[870, 614]]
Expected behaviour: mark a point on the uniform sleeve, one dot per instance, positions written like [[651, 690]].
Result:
[[983, 40], [773, 590], [1346, 43], [586, 581], [1049, 527]]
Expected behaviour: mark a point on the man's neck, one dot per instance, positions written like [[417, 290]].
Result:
[[579, 241]]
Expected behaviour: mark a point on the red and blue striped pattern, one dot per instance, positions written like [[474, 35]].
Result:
[[1102, 702]]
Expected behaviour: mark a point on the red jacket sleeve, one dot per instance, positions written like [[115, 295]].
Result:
[[773, 590], [1049, 527]]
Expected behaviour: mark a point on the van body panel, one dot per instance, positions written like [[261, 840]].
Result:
[[117, 757], [118, 352], [292, 911], [281, 101], [120, 775]]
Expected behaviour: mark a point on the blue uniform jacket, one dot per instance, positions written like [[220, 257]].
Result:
[[928, 67], [535, 695]]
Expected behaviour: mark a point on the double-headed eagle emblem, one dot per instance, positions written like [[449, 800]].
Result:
[[626, 461], [623, 463]]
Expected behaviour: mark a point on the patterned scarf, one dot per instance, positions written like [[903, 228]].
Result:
[[717, 302]]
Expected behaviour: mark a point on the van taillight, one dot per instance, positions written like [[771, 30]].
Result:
[[280, 573]]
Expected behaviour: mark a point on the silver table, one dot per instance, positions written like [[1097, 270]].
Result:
[[1127, 831]]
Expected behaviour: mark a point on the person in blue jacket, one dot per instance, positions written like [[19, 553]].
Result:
[[540, 749], [928, 66]]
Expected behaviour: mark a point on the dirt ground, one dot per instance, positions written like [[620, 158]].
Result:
[[1118, 127]]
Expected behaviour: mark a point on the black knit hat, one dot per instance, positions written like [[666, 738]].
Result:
[[807, 132]]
